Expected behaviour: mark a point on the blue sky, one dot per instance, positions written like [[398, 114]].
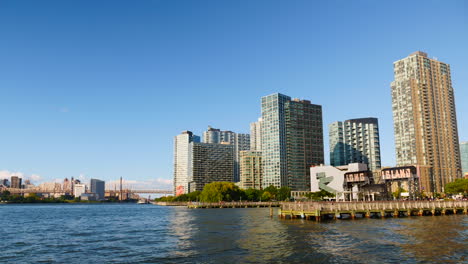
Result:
[[100, 88]]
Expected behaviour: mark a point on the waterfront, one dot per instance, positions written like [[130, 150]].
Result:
[[130, 233]]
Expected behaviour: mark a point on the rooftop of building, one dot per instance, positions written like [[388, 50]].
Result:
[[365, 120]]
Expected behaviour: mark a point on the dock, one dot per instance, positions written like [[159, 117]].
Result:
[[232, 204], [371, 209]]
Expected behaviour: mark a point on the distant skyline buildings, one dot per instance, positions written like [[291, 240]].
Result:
[[98, 188], [355, 141], [425, 122], [292, 141], [16, 182]]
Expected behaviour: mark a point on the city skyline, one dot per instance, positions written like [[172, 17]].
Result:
[[100, 109]]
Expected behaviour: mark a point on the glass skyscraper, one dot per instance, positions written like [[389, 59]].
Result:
[[292, 141], [355, 140]]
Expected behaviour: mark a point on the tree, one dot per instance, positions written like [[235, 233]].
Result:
[[266, 196], [252, 194], [5, 195], [284, 193], [396, 194], [457, 186], [220, 191], [320, 195], [272, 190]]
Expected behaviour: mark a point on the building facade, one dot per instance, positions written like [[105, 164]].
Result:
[[210, 163], [348, 182], [240, 142], [256, 135], [304, 141], [79, 189], [251, 169], [464, 156], [424, 117], [355, 140], [16, 182], [183, 161], [292, 141], [98, 188]]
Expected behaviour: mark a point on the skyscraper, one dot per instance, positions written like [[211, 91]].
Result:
[[464, 156], [274, 140], [355, 141], [292, 141], [240, 142], [304, 141], [256, 135], [210, 163], [212, 135], [424, 117], [183, 161]]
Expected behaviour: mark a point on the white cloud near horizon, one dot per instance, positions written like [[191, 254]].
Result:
[[5, 174]]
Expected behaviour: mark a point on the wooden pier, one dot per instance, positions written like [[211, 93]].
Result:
[[375, 209], [233, 204]]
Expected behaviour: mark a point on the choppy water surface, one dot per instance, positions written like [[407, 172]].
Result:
[[115, 233]]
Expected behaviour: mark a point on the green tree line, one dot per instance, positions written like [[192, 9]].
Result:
[[228, 191]]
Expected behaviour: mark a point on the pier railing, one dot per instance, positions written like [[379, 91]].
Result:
[[232, 204], [369, 206], [394, 208]]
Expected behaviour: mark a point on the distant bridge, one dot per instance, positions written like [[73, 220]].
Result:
[[151, 191]]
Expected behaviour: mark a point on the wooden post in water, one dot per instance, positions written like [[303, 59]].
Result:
[[271, 211]]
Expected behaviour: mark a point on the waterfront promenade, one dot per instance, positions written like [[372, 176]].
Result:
[[233, 205], [333, 210]]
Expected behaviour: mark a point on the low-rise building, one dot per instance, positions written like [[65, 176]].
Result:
[[402, 181], [79, 189], [348, 183]]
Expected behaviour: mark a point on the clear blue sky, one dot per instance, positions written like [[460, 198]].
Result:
[[100, 88]]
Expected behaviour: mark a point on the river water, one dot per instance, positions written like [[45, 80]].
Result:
[[131, 233]]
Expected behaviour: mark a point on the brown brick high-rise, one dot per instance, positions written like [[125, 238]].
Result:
[[425, 122]]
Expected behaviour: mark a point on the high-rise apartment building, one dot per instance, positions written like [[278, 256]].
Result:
[[292, 141], [183, 161], [464, 156], [210, 163], [213, 135], [304, 141], [98, 188], [196, 164], [16, 182], [256, 135], [240, 142], [355, 141], [251, 169], [425, 123]]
